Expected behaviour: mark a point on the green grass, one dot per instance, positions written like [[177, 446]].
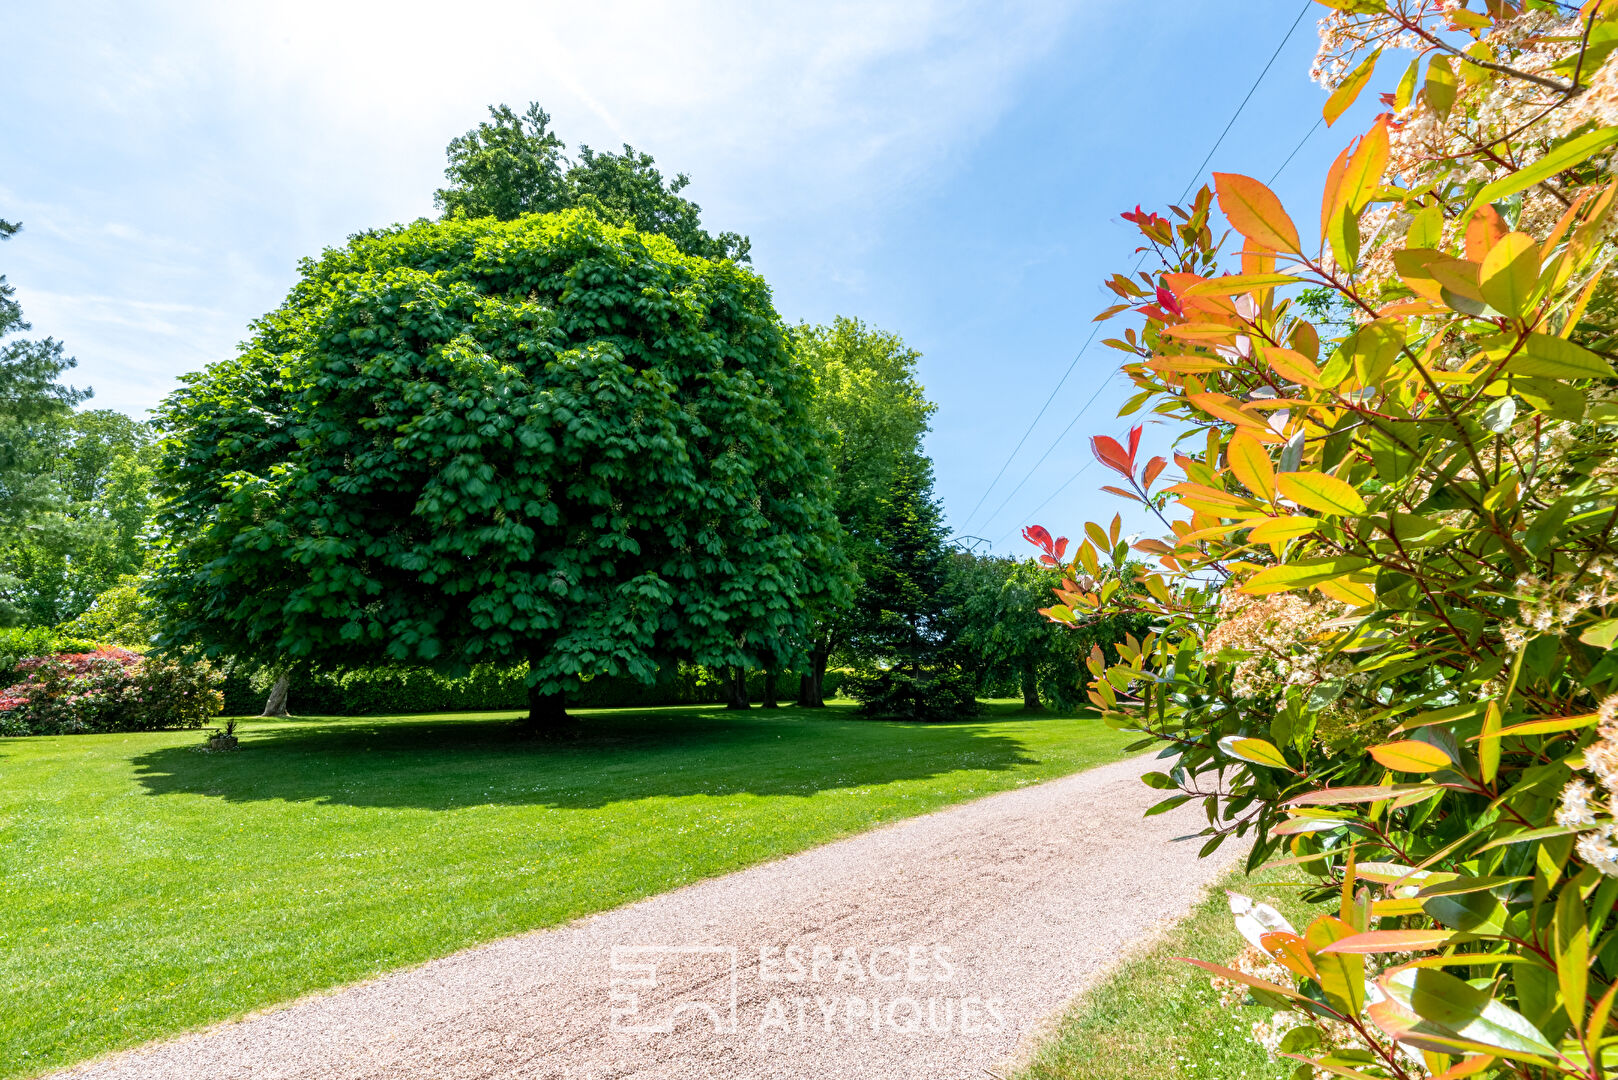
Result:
[[1158, 1017], [150, 886]]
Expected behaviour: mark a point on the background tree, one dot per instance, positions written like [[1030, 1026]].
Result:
[[549, 440], [996, 604], [903, 635], [512, 165], [31, 396], [97, 468], [868, 397]]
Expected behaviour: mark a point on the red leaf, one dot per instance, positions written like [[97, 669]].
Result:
[[1154, 469], [1061, 546], [1110, 454], [1134, 445], [1038, 535]]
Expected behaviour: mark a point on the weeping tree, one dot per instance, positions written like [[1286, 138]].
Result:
[[551, 441]]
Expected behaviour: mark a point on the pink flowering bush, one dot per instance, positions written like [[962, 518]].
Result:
[[110, 689]]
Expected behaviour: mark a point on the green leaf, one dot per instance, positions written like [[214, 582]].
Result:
[[1475, 913], [1407, 91], [1602, 634], [1321, 492], [1562, 158], [1464, 1011], [1350, 88], [1341, 975], [1257, 751], [1572, 942], [1510, 272], [1301, 574], [1557, 358], [1440, 85]]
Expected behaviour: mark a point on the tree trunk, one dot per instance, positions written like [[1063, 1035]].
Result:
[[1030, 687], [812, 683], [738, 689], [769, 701], [547, 713], [277, 705]]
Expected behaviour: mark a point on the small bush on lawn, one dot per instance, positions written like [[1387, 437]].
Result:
[[897, 694], [108, 690]]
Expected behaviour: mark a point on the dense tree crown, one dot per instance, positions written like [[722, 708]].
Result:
[[471, 440], [512, 165]]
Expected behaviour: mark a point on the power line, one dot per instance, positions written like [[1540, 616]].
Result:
[[1282, 168], [1091, 339]]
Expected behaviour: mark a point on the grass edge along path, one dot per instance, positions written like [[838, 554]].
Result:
[[1156, 1016], [153, 888]]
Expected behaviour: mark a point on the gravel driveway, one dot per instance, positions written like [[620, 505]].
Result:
[[930, 948]]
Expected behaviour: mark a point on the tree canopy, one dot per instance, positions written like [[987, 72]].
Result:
[[551, 439], [511, 165]]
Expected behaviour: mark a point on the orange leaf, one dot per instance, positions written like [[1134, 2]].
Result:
[[1182, 365], [1293, 366], [1256, 213], [1223, 407], [1111, 454], [1271, 530], [1410, 756], [1483, 232], [1120, 491], [1334, 183], [1365, 168], [1154, 469], [1251, 464]]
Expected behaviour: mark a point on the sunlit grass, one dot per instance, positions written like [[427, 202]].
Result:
[[1157, 1017], [150, 886]]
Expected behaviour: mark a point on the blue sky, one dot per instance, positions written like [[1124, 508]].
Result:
[[949, 171]]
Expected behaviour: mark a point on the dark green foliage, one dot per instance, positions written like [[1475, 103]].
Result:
[[480, 442], [30, 396], [904, 638], [512, 165], [393, 691]]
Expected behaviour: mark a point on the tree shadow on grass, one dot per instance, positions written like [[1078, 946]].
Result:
[[444, 762]]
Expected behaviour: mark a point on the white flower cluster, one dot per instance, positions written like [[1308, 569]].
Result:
[[1554, 607], [1282, 633], [1596, 811]]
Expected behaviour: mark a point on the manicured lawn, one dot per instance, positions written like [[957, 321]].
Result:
[[1159, 1017], [149, 886]]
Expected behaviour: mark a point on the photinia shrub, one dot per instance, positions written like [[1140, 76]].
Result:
[[1386, 597]]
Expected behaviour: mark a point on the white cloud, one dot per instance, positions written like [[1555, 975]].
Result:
[[189, 153]]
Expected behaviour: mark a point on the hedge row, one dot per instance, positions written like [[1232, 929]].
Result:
[[389, 691]]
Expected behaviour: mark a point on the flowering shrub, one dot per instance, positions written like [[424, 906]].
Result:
[[110, 689], [1386, 598]]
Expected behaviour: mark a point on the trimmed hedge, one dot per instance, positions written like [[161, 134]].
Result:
[[389, 691]]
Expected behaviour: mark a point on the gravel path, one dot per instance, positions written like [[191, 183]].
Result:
[[930, 949]]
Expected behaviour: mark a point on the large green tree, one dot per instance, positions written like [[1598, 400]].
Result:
[[31, 397], [511, 165], [868, 397], [550, 440]]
